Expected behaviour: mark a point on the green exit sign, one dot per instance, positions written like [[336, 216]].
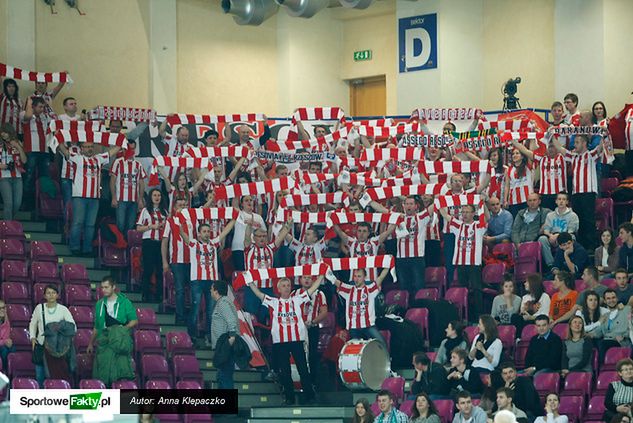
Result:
[[362, 55]]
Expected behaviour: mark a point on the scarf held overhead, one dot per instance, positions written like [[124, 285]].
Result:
[[24, 75], [446, 114], [177, 162], [184, 119], [383, 193], [206, 214], [104, 138], [130, 114]]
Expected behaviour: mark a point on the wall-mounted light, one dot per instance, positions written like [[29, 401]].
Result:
[[250, 12], [303, 8], [356, 4]]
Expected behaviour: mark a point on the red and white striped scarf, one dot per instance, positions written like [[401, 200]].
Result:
[[504, 125], [338, 218], [320, 143], [446, 114], [130, 114], [24, 75], [254, 188], [489, 142], [382, 193], [213, 213], [299, 200], [401, 154], [103, 138], [444, 167], [184, 119], [256, 275], [307, 178], [283, 215], [75, 125], [373, 122], [522, 135], [437, 141], [444, 201], [368, 262], [177, 162], [318, 113], [229, 151], [390, 131]]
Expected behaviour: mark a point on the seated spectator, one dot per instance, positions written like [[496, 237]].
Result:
[[505, 398], [590, 277], [6, 343], [455, 338], [388, 412], [544, 351], [561, 220], [461, 376], [614, 326], [486, 348], [620, 393], [623, 288], [551, 411], [506, 304], [467, 412], [591, 312], [570, 256], [429, 377], [528, 222], [577, 348], [626, 249], [504, 416], [563, 304], [52, 365], [423, 410], [621, 418], [607, 255], [362, 412], [533, 304], [525, 395], [115, 316], [499, 225]]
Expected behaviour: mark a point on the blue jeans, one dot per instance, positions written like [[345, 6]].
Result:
[[182, 274], [11, 191], [225, 375], [371, 332], [126, 216], [84, 218], [40, 374], [199, 288], [4, 353], [39, 161]]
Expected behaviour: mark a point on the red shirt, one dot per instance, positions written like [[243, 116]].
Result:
[[34, 131], [310, 310], [520, 186], [360, 311], [468, 242], [146, 218], [128, 173], [260, 258], [10, 112], [87, 181], [178, 251], [204, 260], [553, 174], [287, 320], [583, 170], [412, 245]]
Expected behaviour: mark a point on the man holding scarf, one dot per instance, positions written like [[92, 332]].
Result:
[[127, 188]]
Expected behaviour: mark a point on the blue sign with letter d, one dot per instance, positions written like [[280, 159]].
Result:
[[417, 42]]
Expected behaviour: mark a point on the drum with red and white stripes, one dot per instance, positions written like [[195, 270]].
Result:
[[363, 364]]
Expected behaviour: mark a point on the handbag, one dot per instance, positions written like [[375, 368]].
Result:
[[38, 352]]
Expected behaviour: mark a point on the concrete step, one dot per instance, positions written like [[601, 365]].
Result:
[[62, 250], [164, 329], [240, 376], [256, 400], [34, 226], [55, 238], [301, 412], [204, 354], [87, 262], [163, 319], [153, 306], [96, 275]]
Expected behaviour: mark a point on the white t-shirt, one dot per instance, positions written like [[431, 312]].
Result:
[[240, 228]]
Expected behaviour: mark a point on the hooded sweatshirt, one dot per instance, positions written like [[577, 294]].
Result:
[[556, 222], [124, 311]]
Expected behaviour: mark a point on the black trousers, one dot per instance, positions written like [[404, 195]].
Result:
[[585, 207], [470, 277], [314, 359], [410, 272], [603, 347], [548, 201], [432, 253], [282, 353], [152, 264]]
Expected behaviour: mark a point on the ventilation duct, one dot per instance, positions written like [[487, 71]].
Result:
[[356, 4], [303, 8], [250, 12]]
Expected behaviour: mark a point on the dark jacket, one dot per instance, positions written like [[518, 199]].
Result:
[[239, 351], [544, 353], [525, 396], [59, 341], [471, 381], [523, 232], [433, 381], [626, 258], [579, 257]]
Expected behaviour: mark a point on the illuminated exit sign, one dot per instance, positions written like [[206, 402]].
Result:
[[359, 56]]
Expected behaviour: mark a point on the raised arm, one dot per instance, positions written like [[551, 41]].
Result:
[[524, 150], [113, 151], [162, 129], [341, 234], [444, 212], [28, 109], [382, 276], [379, 207], [315, 285], [201, 175], [236, 169], [63, 150], [248, 234], [165, 176], [184, 235], [283, 232], [226, 230], [386, 233], [259, 294], [57, 89]]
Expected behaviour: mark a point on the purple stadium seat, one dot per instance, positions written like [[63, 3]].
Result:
[[445, 409], [609, 282], [504, 248], [432, 294], [124, 384], [84, 316], [471, 332], [82, 339], [157, 384], [573, 407], [198, 418], [507, 335], [147, 319], [596, 408], [24, 383], [546, 383], [395, 385], [493, 273], [169, 292], [375, 408], [561, 330], [56, 384], [136, 270], [435, 277], [578, 383], [19, 364], [91, 384], [147, 342], [327, 328], [580, 285], [431, 355], [11, 229], [134, 238], [75, 274], [15, 271], [179, 343], [614, 355], [398, 297], [16, 293], [84, 366], [154, 366], [523, 267], [188, 384], [549, 287], [531, 250], [387, 335], [405, 407], [187, 367], [21, 339], [111, 256], [520, 351], [528, 333], [49, 207], [420, 316], [459, 297], [45, 272], [43, 251], [78, 295], [12, 249], [604, 379], [19, 315], [607, 185], [39, 289], [604, 214]]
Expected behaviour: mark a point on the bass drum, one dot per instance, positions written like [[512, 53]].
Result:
[[363, 364]]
